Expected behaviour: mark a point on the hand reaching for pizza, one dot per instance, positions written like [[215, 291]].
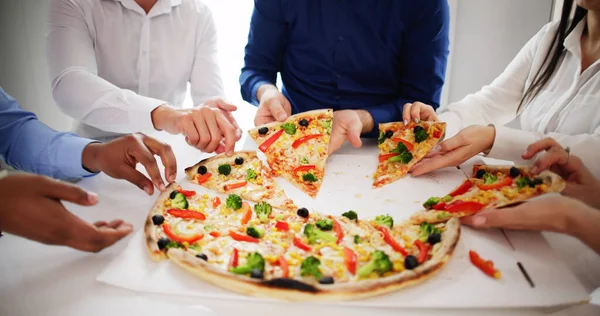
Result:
[[273, 105], [119, 157], [417, 112], [349, 125], [32, 209], [458, 149]]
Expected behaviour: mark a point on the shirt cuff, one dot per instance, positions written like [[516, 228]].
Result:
[[453, 123], [381, 114], [510, 144], [140, 115], [69, 157], [254, 90]]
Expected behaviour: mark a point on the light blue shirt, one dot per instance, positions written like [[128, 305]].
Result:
[[29, 145]]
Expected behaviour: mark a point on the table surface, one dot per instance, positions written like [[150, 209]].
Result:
[[46, 280]]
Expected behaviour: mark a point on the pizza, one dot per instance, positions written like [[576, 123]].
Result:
[[489, 187], [242, 174], [402, 146], [297, 149], [262, 251]]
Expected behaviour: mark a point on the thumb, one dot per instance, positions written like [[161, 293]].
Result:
[[60, 190], [354, 135], [336, 141], [226, 106], [277, 111], [511, 218]]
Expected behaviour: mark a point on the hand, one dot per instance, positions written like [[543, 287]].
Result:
[[581, 183], [349, 125], [458, 149], [273, 105], [119, 157], [418, 111], [226, 109], [31, 208], [204, 127]]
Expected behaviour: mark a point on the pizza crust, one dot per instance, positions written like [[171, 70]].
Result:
[[150, 231]]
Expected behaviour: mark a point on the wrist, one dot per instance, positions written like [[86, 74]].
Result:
[[367, 121], [262, 90], [490, 136], [89, 157], [162, 117]]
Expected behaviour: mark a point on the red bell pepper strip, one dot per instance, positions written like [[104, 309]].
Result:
[[408, 145], [462, 189], [282, 226], [440, 206], [464, 206], [187, 193], [240, 237], [283, 264], [423, 250], [216, 201], [186, 214], [298, 243], [392, 242], [234, 186], [437, 133], [487, 266], [267, 143], [337, 228], [215, 233], [385, 157], [233, 261], [497, 185], [304, 139], [304, 168], [350, 260], [171, 235], [203, 178], [247, 213]]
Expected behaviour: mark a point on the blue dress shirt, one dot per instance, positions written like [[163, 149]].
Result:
[[375, 55], [29, 145]]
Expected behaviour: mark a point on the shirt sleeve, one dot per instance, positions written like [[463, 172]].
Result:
[[205, 79], [29, 145], [265, 49], [76, 86], [424, 57]]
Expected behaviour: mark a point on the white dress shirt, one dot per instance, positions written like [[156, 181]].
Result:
[[111, 64], [567, 109]]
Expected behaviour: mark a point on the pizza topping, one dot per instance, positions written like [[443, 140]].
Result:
[[381, 138], [434, 238], [187, 193], [525, 181], [215, 234], [426, 230], [385, 157], [384, 220], [464, 207], [339, 232], [479, 174], [440, 206], [309, 177], [410, 262], [173, 194], [225, 169], [304, 168], [172, 236], [267, 143], [380, 263], [389, 133], [402, 146], [216, 201], [282, 226], [514, 172], [203, 178], [487, 266], [423, 251], [239, 161], [257, 274], [302, 212], [310, 267], [351, 215], [418, 128], [489, 178], [404, 157], [239, 237], [304, 139], [421, 136], [326, 124], [263, 210], [186, 214], [263, 130], [234, 202], [391, 241], [431, 202], [325, 224], [350, 260], [179, 201], [356, 239], [247, 213], [304, 161], [162, 243], [202, 170], [503, 183], [250, 174], [314, 234], [234, 259], [283, 264], [303, 122], [254, 261], [233, 186], [289, 128], [462, 189], [158, 219], [298, 243], [255, 232], [202, 256], [326, 280]]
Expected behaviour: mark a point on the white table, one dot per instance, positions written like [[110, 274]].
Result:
[[41, 280]]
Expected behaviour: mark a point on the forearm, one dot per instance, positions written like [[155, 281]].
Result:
[[584, 225]]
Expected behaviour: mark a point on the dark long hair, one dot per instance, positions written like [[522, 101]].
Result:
[[556, 50]]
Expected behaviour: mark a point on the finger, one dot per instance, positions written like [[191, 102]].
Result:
[[262, 120], [453, 158], [336, 141], [415, 111], [215, 133], [114, 223], [60, 190], [202, 129], [354, 135], [544, 144], [233, 122], [106, 236], [189, 130], [165, 152], [229, 132], [100, 223], [130, 174], [510, 218], [277, 111], [406, 113], [225, 105], [143, 155], [548, 159]]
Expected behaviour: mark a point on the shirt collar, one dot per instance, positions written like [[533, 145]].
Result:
[[161, 6], [572, 42]]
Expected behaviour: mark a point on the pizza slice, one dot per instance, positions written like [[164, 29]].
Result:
[[489, 187], [297, 149], [242, 174], [402, 146]]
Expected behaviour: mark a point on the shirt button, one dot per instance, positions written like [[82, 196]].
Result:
[[341, 38]]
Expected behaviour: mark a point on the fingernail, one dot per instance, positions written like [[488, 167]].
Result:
[[148, 190], [172, 177], [281, 117], [161, 187], [478, 221], [416, 120], [92, 197], [405, 122]]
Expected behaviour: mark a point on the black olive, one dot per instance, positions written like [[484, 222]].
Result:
[[239, 160], [257, 274], [411, 262], [202, 256], [535, 182], [418, 128], [514, 172], [263, 130], [434, 238], [202, 170], [302, 212], [326, 280], [158, 219], [303, 122], [173, 194], [162, 243], [479, 173], [389, 134]]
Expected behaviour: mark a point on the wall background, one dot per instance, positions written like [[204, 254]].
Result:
[[486, 35]]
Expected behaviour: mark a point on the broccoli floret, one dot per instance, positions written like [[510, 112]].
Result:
[[404, 157], [431, 202], [351, 215], [309, 177], [314, 234], [447, 198], [289, 128], [426, 230], [384, 220], [421, 135], [356, 239], [255, 232], [304, 161], [327, 125], [263, 210], [380, 263], [400, 148], [489, 178], [173, 244], [224, 169], [234, 202], [381, 138], [310, 266], [250, 174], [325, 224], [253, 261], [442, 215]]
